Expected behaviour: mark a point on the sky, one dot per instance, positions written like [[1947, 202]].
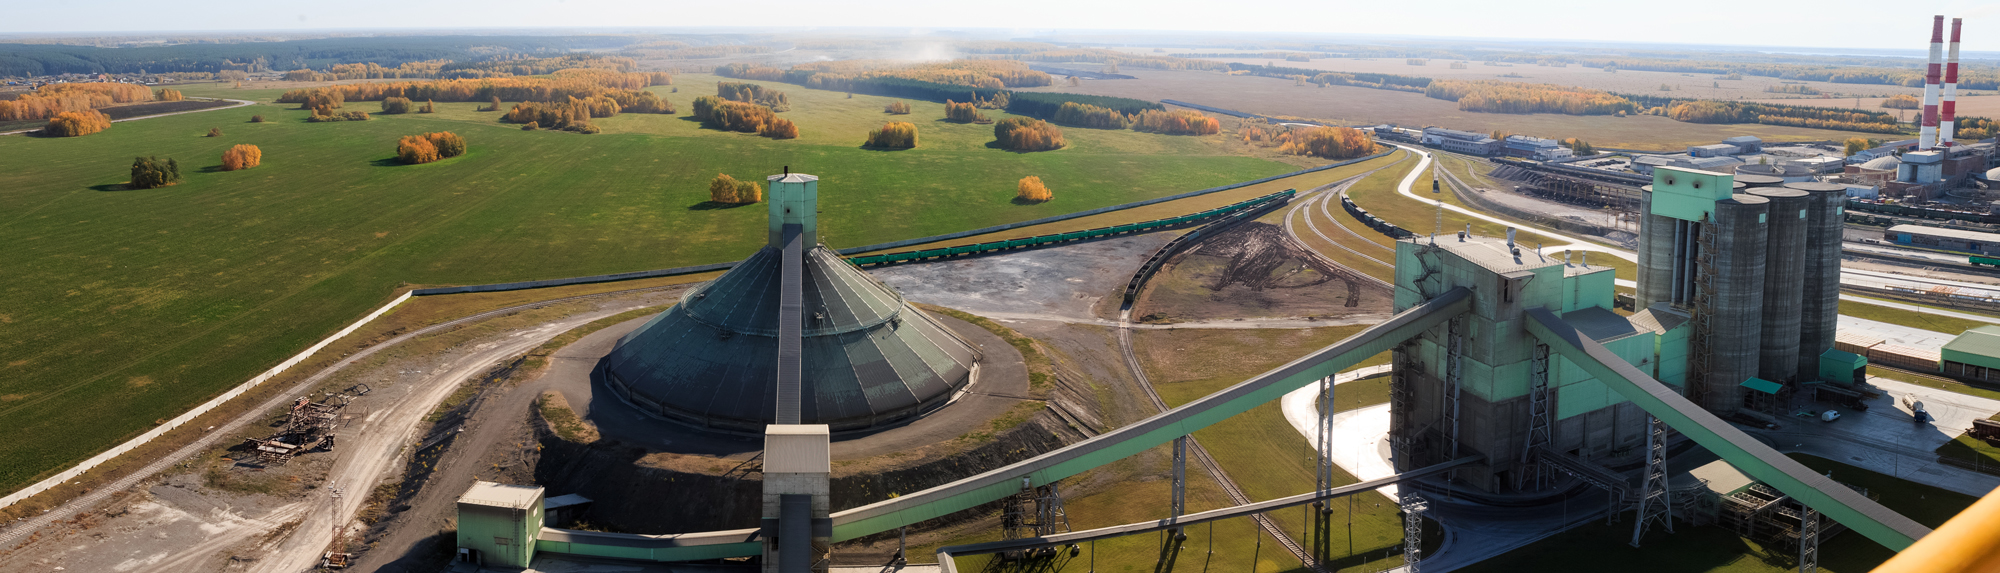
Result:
[[1824, 24]]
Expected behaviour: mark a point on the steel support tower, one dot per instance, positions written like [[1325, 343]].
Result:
[[1655, 499], [1808, 540], [1180, 477], [1413, 530], [1541, 430]]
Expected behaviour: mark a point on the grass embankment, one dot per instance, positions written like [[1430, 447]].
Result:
[[1917, 320], [1041, 374], [1421, 217], [1714, 550], [142, 303]]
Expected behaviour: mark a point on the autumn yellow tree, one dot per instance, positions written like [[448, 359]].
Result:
[[962, 112], [1855, 145], [779, 128], [1024, 134], [1902, 101], [168, 95], [215, 132], [897, 107], [396, 105], [448, 144], [1031, 190], [242, 156], [726, 189], [414, 149], [77, 123]]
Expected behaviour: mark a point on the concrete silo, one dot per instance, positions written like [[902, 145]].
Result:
[[1729, 299], [1784, 277], [1656, 252], [1820, 296]]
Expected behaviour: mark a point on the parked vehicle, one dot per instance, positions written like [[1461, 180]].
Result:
[[1829, 415]]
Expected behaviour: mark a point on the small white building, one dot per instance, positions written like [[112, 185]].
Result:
[[1712, 150]]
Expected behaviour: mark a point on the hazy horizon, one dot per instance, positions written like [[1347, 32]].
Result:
[[1828, 28]]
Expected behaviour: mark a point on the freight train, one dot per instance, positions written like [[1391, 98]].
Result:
[[1374, 222], [1053, 238]]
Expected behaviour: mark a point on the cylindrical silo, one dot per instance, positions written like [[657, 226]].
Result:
[[1732, 299], [1784, 276], [1754, 180], [1820, 304], [1656, 252]]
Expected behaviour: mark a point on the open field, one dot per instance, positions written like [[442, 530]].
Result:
[[1686, 85], [1356, 106], [1714, 550], [126, 307]]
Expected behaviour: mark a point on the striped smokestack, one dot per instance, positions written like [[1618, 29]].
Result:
[[1947, 114], [1927, 130]]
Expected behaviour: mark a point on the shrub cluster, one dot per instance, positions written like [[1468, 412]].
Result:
[[726, 189], [1031, 190], [242, 156], [572, 115], [77, 123], [395, 105], [1024, 134], [321, 116], [898, 108], [719, 113], [151, 172], [894, 135], [169, 95], [215, 132], [1327, 142], [779, 129], [414, 149], [640, 101]]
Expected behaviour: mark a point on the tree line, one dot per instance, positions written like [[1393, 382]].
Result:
[[753, 93], [718, 113], [1326, 142], [368, 71], [1086, 115], [1496, 96], [77, 123], [25, 60], [573, 114], [1177, 122], [525, 65], [50, 100], [565, 84]]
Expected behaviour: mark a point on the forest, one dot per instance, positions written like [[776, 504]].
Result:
[[53, 99], [49, 59], [581, 83], [1509, 97]]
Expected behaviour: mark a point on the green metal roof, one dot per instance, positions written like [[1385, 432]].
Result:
[[1849, 359], [1982, 342], [1762, 385]]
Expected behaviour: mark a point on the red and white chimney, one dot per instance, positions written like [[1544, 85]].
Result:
[[1927, 129], [1948, 115]]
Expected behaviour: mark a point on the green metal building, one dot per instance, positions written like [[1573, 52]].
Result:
[[1974, 355], [498, 524], [1501, 400]]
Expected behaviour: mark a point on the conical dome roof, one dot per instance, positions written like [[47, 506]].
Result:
[[869, 358]]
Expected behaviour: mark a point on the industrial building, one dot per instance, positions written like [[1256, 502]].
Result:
[[1974, 355], [1738, 302], [1456, 141], [1536, 148], [1942, 238]]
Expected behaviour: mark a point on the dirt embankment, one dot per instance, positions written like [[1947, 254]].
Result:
[[635, 496], [1255, 271]]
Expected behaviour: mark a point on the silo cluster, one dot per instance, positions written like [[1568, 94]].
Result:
[[1756, 266]]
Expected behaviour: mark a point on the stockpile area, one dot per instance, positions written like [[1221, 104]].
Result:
[[1256, 271]]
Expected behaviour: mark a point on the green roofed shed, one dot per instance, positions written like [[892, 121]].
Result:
[[1976, 347], [1842, 367], [1762, 385]]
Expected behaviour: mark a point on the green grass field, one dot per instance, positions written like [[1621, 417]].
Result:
[[123, 307]]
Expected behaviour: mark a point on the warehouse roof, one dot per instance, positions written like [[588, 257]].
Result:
[[1943, 232], [1743, 139], [1715, 147], [1982, 341], [1712, 163], [1762, 385], [1600, 324], [491, 494], [1654, 160]]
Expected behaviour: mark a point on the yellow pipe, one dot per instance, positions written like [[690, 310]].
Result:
[[1969, 543]]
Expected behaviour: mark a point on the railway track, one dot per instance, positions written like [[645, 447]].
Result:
[[14, 533], [1200, 454]]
